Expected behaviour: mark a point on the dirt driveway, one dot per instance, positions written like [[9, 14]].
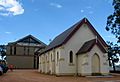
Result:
[[34, 76]]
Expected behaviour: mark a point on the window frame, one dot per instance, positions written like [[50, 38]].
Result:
[[57, 58], [11, 50], [14, 50], [71, 57]]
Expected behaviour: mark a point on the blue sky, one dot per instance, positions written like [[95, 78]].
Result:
[[45, 19]]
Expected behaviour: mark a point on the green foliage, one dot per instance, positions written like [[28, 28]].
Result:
[[113, 50], [113, 21], [3, 51]]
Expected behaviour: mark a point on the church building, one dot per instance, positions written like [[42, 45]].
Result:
[[79, 50]]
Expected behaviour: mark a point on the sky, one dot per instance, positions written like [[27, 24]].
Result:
[[45, 19]]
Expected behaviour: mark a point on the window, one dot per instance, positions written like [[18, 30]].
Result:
[[15, 50], [46, 58], [10, 50], [57, 56], [51, 57], [28, 50], [24, 50], [71, 57]]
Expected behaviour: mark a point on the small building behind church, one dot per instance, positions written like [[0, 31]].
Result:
[[21, 53], [79, 50]]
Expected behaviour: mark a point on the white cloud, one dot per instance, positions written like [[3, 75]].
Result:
[[56, 5], [10, 7], [90, 12], [89, 9], [5, 14], [1, 8], [110, 36], [81, 10], [8, 32]]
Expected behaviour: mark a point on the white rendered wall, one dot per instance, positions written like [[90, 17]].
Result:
[[78, 39], [104, 65], [63, 67]]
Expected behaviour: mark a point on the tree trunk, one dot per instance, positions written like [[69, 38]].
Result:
[[109, 62], [113, 64]]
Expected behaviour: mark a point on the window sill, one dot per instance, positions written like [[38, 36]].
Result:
[[71, 64]]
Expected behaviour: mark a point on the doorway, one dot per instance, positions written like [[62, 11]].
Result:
[[95, 64]]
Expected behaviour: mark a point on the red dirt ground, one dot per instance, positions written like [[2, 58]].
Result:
[[34, 76]]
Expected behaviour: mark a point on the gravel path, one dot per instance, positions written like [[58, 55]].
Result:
[[34, 76]]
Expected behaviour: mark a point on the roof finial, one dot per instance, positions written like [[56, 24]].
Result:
[[85, 19]]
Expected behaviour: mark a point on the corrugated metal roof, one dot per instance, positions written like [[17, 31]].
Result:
[[66, 35], [87, 46], [60, 39], [25, 40]]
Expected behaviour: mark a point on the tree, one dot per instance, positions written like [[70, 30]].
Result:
[[3, 51], [113, 50], [113, 20]]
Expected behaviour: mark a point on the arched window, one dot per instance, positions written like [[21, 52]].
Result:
[[46, 57], [51, 57], [57, 56], [71, 57]]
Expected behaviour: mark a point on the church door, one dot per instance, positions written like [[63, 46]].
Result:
[[95, 64]]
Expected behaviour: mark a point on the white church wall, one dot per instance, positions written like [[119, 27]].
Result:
[[39, 68], [60, 65], [52, 62], [104, 66], [75, 43], [84, 64], [79, 66]]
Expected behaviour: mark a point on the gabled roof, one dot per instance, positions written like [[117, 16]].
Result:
[[29, 39], [87, 46], [60, 39], [66, 35]]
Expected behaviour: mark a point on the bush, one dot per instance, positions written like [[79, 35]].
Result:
[[1, 71]]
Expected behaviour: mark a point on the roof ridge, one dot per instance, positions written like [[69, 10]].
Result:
[[67, 34], [30, 36], [62, 37]]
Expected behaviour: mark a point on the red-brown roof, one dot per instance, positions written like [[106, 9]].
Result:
[[87, 46], [66, 35]]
